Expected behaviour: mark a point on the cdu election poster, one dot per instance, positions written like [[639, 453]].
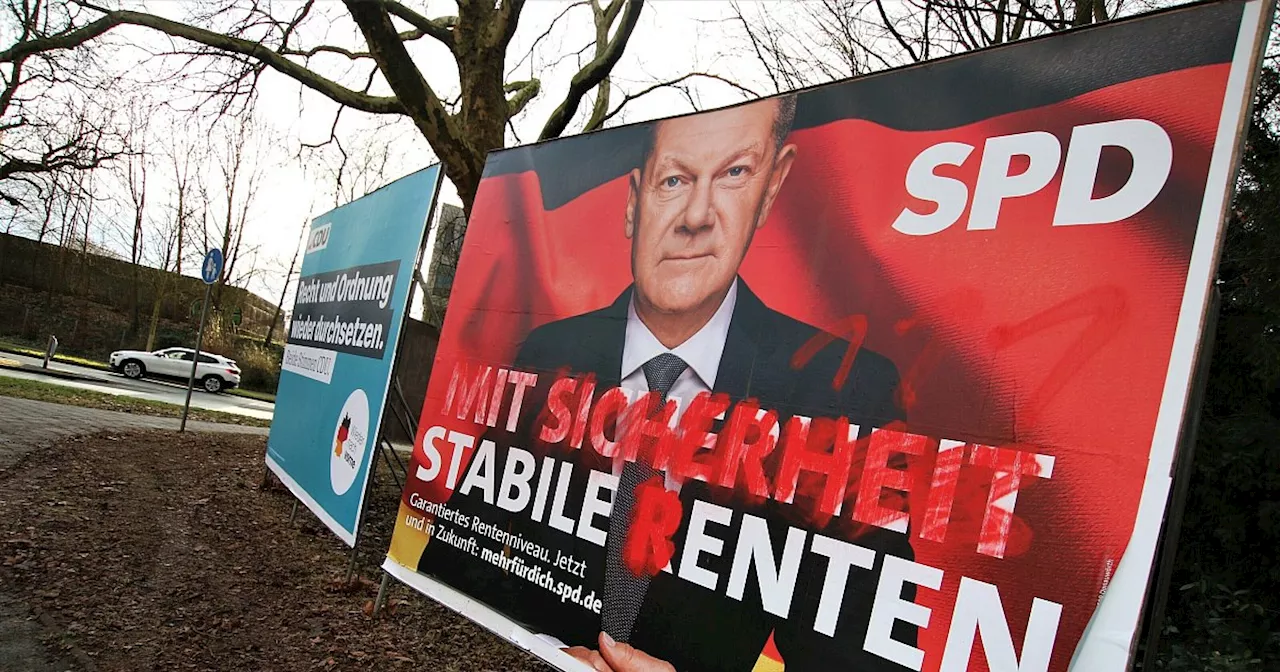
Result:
[[886, 374], [351, 301]]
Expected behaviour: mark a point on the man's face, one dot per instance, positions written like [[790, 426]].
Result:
[[708, 184]]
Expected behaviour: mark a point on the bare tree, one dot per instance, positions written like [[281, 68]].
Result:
[[166, 234], [68, 222], [183, 154], [246, 37], [164, 256], [52, 188], [241, 162], [359, 165], [809, 43], [135, 177], [54, 116], [284, 291]]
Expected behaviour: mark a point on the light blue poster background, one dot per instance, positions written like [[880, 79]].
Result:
[[387, 225]]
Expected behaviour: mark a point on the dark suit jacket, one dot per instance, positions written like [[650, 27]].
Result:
[[682, 622]]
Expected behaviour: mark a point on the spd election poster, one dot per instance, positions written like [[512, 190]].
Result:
[[886, 374], [351, 301]]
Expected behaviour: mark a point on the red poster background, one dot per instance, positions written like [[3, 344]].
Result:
[[1052, 337]]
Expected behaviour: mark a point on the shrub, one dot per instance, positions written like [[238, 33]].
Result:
[[1229, 632], [259, 365]]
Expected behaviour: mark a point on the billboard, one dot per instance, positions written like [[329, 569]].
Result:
[[351, 300], [886, 374]]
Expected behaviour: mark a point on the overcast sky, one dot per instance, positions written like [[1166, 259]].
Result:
[[672, 38]]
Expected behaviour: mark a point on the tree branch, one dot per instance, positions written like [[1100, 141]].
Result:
[[324, 48], [611, 12], [416, 98], [259, 52], [884, 16], [405, 36], [52, 163], [667, 84], [593, 73], [601, 107], [66, 40], [603, 19], [509, 16], [440, 29], [755, 45], [1052, 24], [524, 91], [545, 34]]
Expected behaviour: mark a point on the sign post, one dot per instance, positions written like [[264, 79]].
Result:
[[210, 271]]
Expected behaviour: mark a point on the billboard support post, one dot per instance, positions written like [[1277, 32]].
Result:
[[1183, 463], [360, 524], [382, 594], [387, 450], [379, 446], [351, 564]]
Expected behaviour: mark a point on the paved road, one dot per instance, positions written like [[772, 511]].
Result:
[[154, 390], [24, 426]]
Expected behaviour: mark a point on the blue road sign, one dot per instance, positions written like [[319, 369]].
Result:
[[212, 267]]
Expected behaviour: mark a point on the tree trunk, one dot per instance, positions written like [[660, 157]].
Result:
[[155, 318], [136, 320], [485, 111], [461, 141], [181, 229], [84, 260], [1083, 13], [271, 329]]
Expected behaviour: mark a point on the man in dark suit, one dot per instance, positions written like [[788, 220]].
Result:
[[690, 325]]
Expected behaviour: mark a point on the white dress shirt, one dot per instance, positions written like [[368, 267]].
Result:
[[701, 352]]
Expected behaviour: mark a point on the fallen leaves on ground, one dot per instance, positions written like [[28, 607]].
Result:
[[153, 550]]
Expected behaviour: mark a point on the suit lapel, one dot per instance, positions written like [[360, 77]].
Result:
[[603, 345], [742, 347]]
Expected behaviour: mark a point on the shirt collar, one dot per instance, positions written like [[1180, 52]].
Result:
[[701, 351]]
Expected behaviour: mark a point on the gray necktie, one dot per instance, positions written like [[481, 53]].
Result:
[[624, 591]]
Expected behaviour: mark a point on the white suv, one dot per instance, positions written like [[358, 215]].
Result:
[[214, 373]]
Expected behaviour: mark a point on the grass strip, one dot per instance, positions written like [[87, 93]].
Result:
[[71, 396], [251, 394], [16, 349], [6, 346]]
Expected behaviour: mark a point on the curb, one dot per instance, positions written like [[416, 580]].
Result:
[[102, 366], [53, 373]]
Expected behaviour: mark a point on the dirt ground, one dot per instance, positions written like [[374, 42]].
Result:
[[154, 551]]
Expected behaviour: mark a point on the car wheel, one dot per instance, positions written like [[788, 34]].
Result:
[[133, 369], [212, 384]]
